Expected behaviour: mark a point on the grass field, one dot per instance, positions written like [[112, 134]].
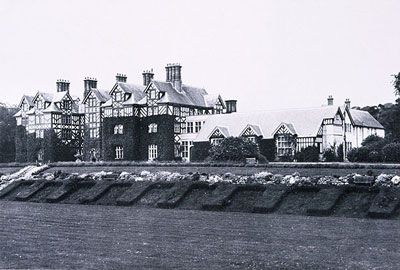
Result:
[[61, 236]]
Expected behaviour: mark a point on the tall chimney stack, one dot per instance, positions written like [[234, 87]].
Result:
[[89, 83], [174, 75], [347, 103], [62, 85], [330, 100], [231, 106], [121, 78], [148, 76]]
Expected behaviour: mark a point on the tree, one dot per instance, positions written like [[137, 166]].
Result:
[[234, 149], [396, 84], [7, 133]]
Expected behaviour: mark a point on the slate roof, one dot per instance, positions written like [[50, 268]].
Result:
[[29, 99], [364, 119], [212, 100], [224, 131], [305, 122], [18, 114], [46, 96], [136, 91], [101, 95], [189, 95]]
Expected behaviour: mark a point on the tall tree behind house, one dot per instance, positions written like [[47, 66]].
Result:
[[7, 133]]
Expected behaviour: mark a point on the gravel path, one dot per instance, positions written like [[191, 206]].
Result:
[[47, 236]]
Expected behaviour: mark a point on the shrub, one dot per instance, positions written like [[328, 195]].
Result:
[[308, 154], [234, 149], [391, 152], [262, 159], [339, 153], [375, 156], [329, 155], [358, 154]]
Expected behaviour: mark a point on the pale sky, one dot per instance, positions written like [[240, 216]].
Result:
[[265, 54]]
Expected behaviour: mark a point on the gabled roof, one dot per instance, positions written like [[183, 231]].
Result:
[[46, 96], [255, 128], [52, 108], [189, 95], [101, 95], [306, 122], [136, 91], [212, 100], [288, 126], [222, 130], [59, 96], [29, 100], [364, 119], [18, 114]]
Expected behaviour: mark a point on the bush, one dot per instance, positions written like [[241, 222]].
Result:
[[375, 156], [391, 152], [339, 153], [234, 149], [329, 155], [262, 159], [358, 154], [308, 154]]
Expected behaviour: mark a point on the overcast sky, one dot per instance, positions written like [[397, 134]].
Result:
[[266, 54]]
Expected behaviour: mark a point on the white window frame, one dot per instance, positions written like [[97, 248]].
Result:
[[119, 152], [189, 127], [216, 141], [152, 152], [283, 145], [153, 128], [118, 129]]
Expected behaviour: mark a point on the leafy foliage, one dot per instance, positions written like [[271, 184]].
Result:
[[396, 84], [7, 133], [391, 152], [332, 154], [234, 149], [308, 154]]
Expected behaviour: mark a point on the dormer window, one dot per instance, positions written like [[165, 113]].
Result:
[[118, 129]]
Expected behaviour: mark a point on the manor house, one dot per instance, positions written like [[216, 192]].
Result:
[[170, 120]]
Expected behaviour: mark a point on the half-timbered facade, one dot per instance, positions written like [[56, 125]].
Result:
[[50, 114], [145, 122], [289, 131]]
